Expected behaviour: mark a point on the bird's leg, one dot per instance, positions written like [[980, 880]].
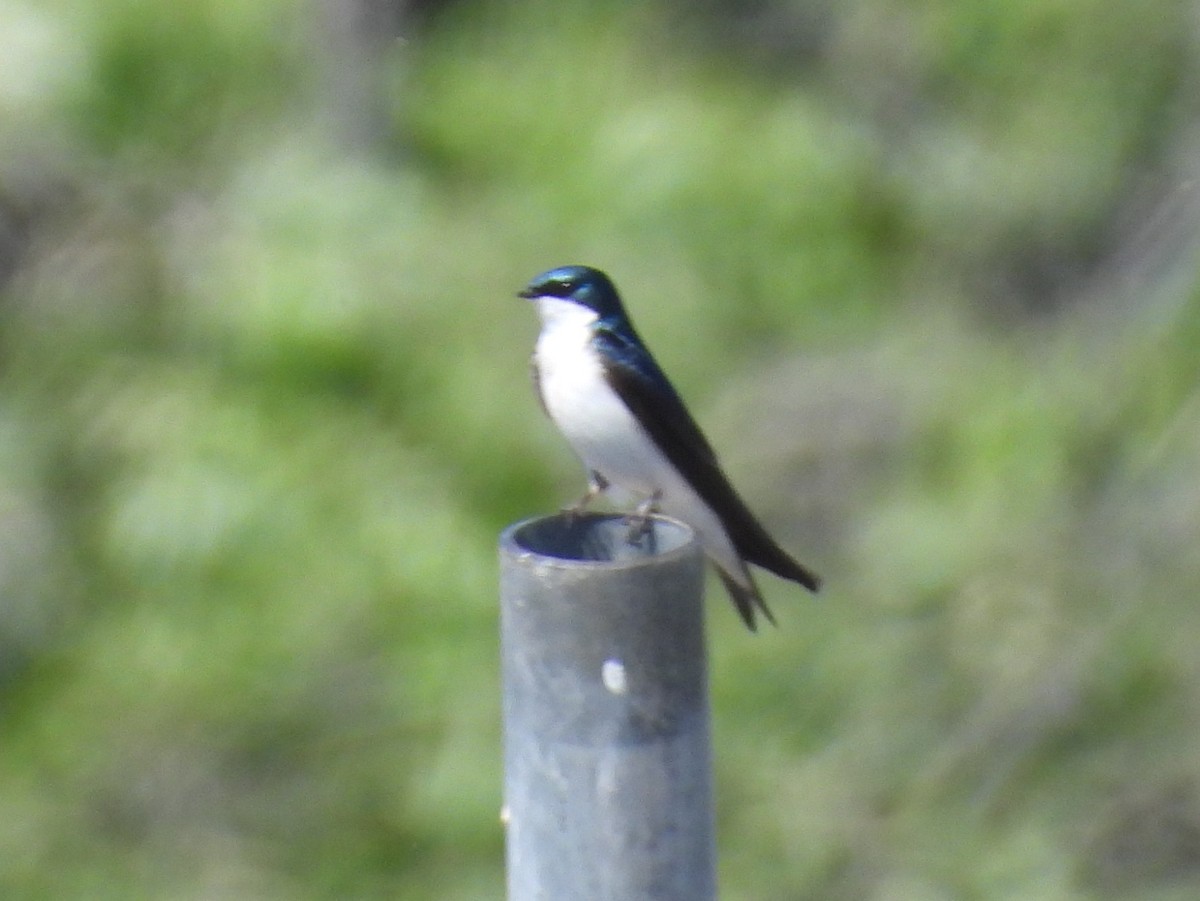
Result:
[[639, 520], [597, 485]]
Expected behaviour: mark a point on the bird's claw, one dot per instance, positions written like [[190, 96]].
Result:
[[639, 527], [640, 521], [597, 485]]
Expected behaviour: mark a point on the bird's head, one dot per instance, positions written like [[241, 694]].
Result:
[[583, 286]]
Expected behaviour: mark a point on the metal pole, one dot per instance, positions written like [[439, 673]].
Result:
[[607, 752]]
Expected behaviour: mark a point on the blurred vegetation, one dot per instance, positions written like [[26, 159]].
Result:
[[263, 410]]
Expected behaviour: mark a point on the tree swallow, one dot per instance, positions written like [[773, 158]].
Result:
[[601, 387]]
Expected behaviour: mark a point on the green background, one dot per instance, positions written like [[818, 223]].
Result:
[[925, 271]]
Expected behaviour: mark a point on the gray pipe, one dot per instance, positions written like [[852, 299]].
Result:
[[607, 754]]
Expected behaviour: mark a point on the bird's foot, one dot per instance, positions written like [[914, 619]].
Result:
[[640, 521], [597, 485]]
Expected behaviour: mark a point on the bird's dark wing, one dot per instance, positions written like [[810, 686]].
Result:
[[639, 382]]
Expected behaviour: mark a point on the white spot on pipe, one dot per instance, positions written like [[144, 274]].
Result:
[[612, 673]]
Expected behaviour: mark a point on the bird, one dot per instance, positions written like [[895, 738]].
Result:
[[599, 384]]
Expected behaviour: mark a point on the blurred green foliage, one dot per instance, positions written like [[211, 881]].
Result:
[[263, 409]]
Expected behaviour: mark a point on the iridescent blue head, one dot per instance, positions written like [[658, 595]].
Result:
[[583, 285]]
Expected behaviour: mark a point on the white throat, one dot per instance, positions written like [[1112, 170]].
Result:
[[557, 313]]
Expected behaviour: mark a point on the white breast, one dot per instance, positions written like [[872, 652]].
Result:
[[594, 420]]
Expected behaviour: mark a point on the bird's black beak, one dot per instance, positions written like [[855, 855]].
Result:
[[526, 293]]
